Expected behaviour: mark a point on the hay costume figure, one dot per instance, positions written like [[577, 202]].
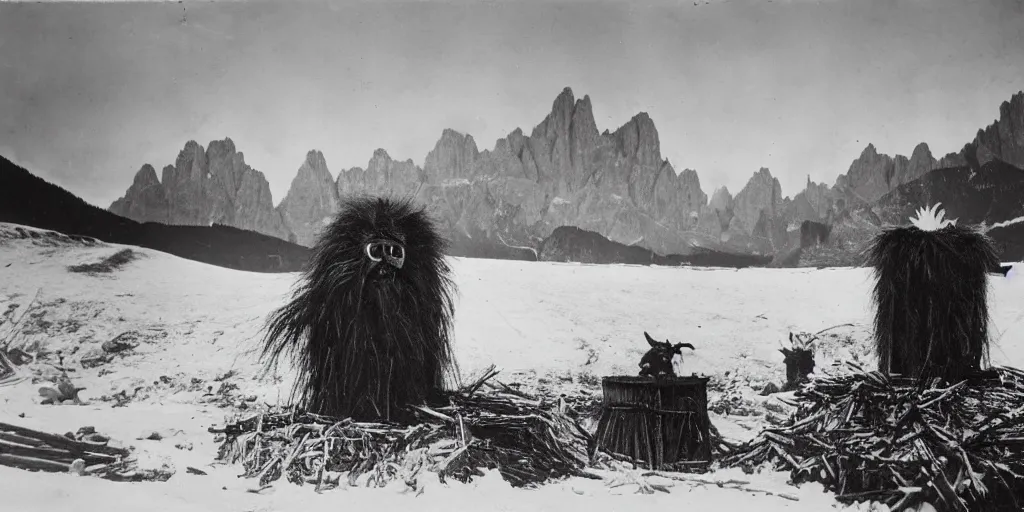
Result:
[[369, 322], [931, 298]]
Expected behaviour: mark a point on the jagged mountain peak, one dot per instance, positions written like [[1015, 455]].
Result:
[[206, 186], [315, 160], [146, 176], [922, 149], [311, 201]]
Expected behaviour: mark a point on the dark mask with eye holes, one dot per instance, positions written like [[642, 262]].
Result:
[[386, 257]]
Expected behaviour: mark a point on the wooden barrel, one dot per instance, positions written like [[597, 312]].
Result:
[[660, 424]]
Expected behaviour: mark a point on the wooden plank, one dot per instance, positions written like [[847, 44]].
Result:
[[23, 440], [58, 441], [32, 463], [56, 454]]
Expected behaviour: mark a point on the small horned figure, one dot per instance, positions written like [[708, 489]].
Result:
[[799, 360], [657, 362]]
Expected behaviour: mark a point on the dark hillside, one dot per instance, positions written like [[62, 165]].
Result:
[[568, 243], [32, 201]]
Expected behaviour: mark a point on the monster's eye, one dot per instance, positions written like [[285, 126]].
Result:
[[378, 250], [395, 251], [375, 251]]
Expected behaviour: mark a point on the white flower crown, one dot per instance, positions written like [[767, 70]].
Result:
[[931, 219]]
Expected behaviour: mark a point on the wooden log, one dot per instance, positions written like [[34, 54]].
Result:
[[23, 440], [40, 452], [55, 454], [33, 464], [59, 441], [657, 422]]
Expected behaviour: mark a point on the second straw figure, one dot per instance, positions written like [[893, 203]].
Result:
[[930, 295]]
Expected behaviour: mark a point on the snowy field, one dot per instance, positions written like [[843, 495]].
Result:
[[543, 324]]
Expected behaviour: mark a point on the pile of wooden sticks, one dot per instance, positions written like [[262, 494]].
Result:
[[867, 436], [83, 453]]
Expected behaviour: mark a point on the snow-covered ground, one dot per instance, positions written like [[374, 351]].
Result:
[[542, 324]]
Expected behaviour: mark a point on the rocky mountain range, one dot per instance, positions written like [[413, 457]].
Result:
[[505, 201]]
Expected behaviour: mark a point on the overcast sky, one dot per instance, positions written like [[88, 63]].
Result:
[[90, 92]]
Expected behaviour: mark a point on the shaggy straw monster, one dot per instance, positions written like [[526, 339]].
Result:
[[931, 317], [369, 322]]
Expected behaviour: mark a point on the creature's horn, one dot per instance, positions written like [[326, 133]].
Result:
[[650, 340], [681, 345]]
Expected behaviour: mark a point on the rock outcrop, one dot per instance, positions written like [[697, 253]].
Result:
[[453, 157], [145, 200], [873, 175], [312, 200], [382, 176], [202, 188], [1004, 138]]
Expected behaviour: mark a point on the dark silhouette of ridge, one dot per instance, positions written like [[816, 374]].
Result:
[[477, 244], [568, 243], [32, 201], [1009, 242], [971, 194]]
